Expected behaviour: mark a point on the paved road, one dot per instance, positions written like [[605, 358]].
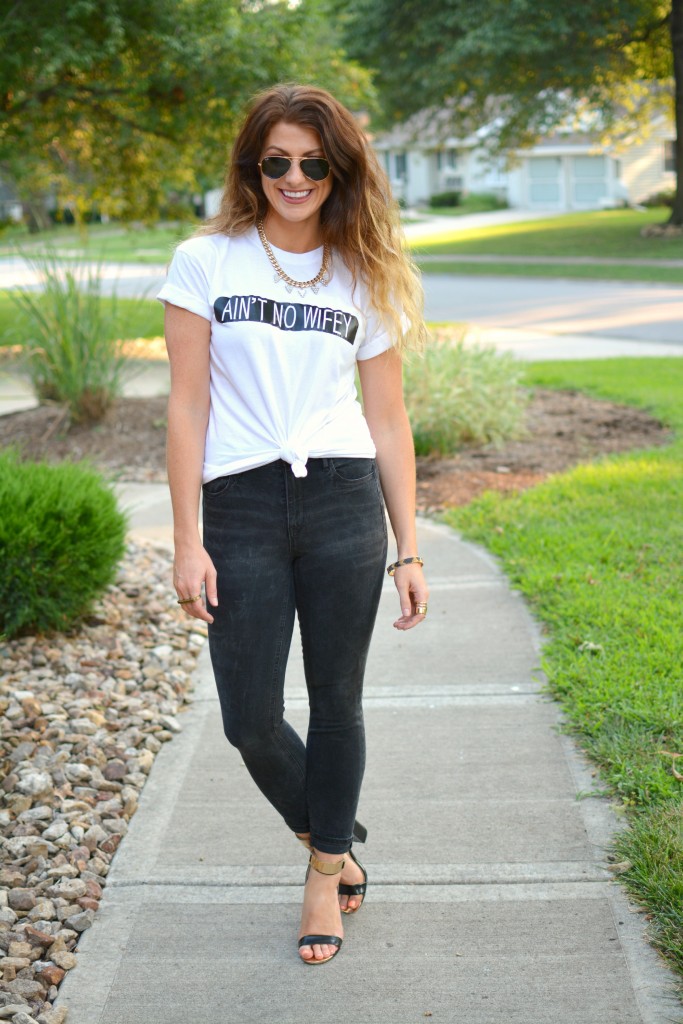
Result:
[[641, 312], [624, 310]]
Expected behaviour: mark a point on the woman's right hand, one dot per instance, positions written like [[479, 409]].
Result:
[[193, 568]]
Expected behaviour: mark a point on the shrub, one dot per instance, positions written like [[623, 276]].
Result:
[[72, 356], [445, 199], [460, 394], [479, 202], [61, 537], [665, 197]]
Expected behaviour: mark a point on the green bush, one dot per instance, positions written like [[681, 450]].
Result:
[[459, 394], [665, 197], [479, 202], [73, 354], [445, 199], [61, 537]]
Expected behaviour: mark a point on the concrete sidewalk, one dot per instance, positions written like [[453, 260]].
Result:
[[489, 898]]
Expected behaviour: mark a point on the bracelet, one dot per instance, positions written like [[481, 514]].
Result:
[[391, 569]]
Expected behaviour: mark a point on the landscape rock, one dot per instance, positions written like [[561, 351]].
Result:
[[25, 988], [66, 960], [34, 784], [68, 888], [82, 717], [21, 899], [23, 1018], [57, 1015], [51, 973], [79, 922]]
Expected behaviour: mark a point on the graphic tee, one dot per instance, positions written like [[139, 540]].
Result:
[[282, 364]]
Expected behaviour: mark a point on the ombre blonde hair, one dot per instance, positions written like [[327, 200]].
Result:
[[360, 218]]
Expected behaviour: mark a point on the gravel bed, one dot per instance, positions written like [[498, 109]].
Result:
[[82, 717]]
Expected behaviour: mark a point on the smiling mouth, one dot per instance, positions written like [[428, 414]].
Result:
[[296, 195]]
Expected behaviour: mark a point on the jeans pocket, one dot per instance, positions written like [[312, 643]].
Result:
[[353, 470], [214, 488]]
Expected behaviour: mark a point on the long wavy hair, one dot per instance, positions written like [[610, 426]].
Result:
[[359, 219]]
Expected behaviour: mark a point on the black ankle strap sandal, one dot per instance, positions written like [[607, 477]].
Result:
[[324, 867], [355, 890]]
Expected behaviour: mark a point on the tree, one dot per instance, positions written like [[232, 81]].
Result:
[[111, 102], [523, 66]]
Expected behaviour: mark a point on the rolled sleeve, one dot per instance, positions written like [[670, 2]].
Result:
[[377, 338], [374, 347], [187, 285]]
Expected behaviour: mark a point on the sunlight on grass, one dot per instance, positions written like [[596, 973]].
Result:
[[587, 271], [597, 233]]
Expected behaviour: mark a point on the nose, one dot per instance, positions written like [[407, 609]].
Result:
[[295, 176]]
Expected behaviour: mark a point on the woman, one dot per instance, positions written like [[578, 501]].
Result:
[[269, 309]]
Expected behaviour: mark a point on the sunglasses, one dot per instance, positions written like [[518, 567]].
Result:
[[315, 167]]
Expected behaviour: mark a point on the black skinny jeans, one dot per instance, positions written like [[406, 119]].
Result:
[[317, 545]]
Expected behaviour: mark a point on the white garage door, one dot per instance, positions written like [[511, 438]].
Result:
[[588, 181], [545, 181]]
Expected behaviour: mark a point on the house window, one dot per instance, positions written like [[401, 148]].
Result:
[[401, 166], [446, 159], [670, 156]]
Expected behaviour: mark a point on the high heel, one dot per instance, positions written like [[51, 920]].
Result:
[[324, 867], [355, 890], [360, 833]]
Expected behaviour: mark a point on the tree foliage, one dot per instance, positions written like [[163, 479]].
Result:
[[111, 102], [524, 63]]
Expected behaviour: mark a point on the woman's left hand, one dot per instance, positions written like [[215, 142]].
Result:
[[413, 591]]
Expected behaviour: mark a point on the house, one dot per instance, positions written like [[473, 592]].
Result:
[[567, 170]]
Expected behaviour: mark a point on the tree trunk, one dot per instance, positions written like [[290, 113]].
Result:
[[677, 46]]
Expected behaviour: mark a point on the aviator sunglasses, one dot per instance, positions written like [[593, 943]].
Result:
[[314, 167]]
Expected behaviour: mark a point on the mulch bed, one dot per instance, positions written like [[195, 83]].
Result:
[[563, 429]]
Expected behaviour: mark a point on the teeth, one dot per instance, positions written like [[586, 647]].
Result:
[[296, 195]]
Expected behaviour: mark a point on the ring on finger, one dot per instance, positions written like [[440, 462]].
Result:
[[421, 609], [189, 600]]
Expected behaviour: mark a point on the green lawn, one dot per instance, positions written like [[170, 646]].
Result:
[[139, 318], [598, 233], [597, 553], [585, 271], [601, 234], [104, 241]]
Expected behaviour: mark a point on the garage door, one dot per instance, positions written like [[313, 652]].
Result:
[[545, 181], [588, 181]]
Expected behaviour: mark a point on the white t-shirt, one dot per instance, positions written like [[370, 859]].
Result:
[[282, 364]]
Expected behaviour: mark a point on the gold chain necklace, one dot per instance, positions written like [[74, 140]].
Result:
[[321, 278]]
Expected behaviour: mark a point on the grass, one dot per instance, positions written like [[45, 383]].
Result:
[[597, 233], [137, 318], [105, 242], [585, 271], [597, 552]]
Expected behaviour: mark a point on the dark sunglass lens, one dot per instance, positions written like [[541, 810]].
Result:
[[315, 168], [275, 166]]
